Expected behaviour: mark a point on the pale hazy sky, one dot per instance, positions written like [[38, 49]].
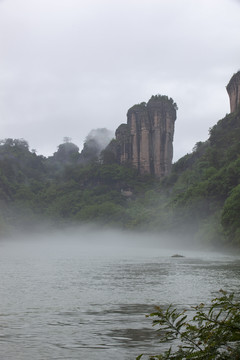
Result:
[[70, 66]]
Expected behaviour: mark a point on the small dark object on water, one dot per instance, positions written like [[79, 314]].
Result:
[[177, 256]]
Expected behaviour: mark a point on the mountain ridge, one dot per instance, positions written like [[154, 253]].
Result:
[[199, 199]]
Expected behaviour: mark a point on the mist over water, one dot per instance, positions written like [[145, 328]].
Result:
[[82, 293]]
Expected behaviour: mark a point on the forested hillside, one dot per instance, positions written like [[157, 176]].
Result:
[[200, 199]]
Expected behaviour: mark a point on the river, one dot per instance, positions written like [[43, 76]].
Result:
[[84, 294]]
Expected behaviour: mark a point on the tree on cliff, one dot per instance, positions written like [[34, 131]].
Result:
[[67, 152], [230, 216]]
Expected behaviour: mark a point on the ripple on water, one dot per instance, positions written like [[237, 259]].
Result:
[[75, 307]]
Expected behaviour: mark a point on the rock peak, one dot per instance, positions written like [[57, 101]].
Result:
[[145, 142], [233, 89]]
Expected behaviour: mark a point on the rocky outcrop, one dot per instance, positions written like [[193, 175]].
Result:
[[145, 142], [233, 89]]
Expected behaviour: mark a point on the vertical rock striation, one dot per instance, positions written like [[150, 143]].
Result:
[[233, 89], [145, 142]]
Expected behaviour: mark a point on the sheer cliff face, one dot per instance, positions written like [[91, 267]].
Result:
[[145, 141], [233, 89]]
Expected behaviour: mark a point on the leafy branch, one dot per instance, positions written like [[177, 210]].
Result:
[[213, 332]]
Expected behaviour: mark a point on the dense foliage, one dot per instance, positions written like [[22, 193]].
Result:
[[200, 198], [213, 332]]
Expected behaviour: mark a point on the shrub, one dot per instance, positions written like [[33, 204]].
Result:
[[213, 333]]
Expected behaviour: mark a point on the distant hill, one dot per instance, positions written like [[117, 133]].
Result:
[[200, 199]]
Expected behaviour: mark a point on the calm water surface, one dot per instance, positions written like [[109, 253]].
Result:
[[66, 298]]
